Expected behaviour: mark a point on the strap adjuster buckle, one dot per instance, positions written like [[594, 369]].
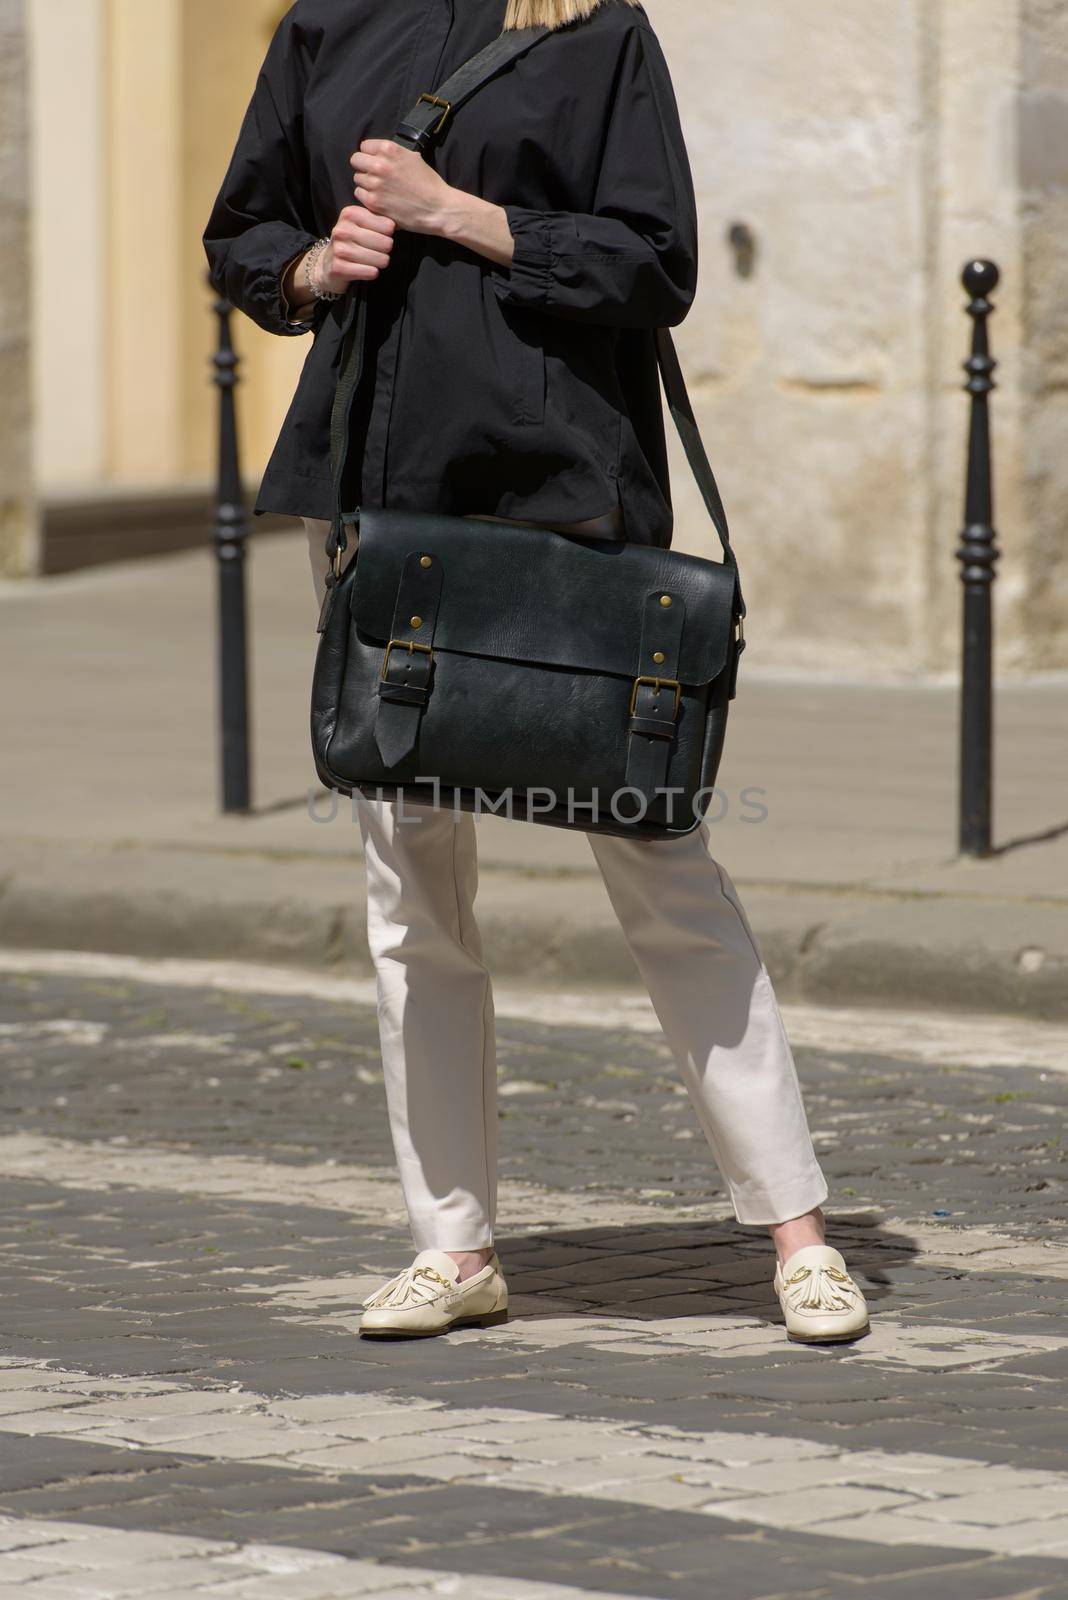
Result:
[[433, 100], [404, 644], [658, 684]]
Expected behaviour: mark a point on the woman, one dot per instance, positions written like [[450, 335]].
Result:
[[514, 280]]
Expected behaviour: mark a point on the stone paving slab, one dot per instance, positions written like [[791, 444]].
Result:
[[775, 1482], [932, 1036], [187, 1227]]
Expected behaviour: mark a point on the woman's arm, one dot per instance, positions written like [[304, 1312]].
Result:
[[397, 183], [261, 225], [630, 262], [262, 228], [479, 225]]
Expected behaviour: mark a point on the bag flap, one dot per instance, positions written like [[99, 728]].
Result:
[[528, 594]]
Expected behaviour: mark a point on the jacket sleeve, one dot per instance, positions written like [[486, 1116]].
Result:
[[261, 221], [632, 261]]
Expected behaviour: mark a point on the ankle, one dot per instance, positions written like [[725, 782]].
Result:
[[470, 1261], [797, 1232]]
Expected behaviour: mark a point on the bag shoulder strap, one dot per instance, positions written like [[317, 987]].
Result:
[[682, 416], [417, 131], [426, 120]]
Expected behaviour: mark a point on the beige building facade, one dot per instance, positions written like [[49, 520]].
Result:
[[18, 501], [849, 159]]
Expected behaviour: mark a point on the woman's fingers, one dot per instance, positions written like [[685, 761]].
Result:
[[358, 226], [376, 155], [355, 272], [360, 245], [390, 181], [366, 239], [360, 253], [360, 217]]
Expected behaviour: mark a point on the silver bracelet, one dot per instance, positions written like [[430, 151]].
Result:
[[310, 263]]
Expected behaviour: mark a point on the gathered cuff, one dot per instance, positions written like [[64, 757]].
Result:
[[591, 268], [279, 313], [251, 273], [527, 279]]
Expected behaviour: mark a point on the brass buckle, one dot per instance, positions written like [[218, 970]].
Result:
[[432, 100], [404, 644], [740, 634], [658, 684], [337, 563]]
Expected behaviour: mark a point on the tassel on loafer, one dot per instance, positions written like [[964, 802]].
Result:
[[427, 1299], [819, 1300]]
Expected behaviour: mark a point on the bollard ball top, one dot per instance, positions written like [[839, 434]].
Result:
[[980, 278]]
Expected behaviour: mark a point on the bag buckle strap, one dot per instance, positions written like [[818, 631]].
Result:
[[410, 645], [739, 646], [658, 684], [446, 108], [406, 676], [421, 127], [410, 686], [655, 698]]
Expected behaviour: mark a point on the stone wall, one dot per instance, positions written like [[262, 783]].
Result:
[[18, 522], [1042, 122], [870, 151]]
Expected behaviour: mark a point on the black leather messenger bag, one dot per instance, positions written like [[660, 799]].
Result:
[[494, 666]]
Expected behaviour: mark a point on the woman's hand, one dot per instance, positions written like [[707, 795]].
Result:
[[360, 247], [397, 183]]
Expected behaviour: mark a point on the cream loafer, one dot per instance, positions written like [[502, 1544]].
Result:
[[819, 1299], [426, 1298]]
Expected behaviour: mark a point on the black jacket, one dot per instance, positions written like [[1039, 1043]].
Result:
[[526, 391]]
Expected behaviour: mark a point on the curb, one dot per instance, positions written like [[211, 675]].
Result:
[[848, 948]]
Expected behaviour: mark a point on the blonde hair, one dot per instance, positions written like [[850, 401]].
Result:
[[551, 13]]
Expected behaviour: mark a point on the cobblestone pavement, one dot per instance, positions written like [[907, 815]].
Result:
[[198, 1191]]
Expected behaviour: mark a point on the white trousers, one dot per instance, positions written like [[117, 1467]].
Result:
[[691, 940]]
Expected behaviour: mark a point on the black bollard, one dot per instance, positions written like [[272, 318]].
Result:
[[978, 554], [230, 535]]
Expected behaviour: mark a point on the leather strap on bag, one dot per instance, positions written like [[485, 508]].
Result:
[[424, 123], [655, 694], [678, 399], [427, 118], [408, 665]]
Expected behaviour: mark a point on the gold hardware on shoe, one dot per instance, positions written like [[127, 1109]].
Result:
[[658, 684], [432, 100], [432, 1272], [820, 1295], [425, 561], [665, 599], [415, 622], [403, 644], [658, 657]]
